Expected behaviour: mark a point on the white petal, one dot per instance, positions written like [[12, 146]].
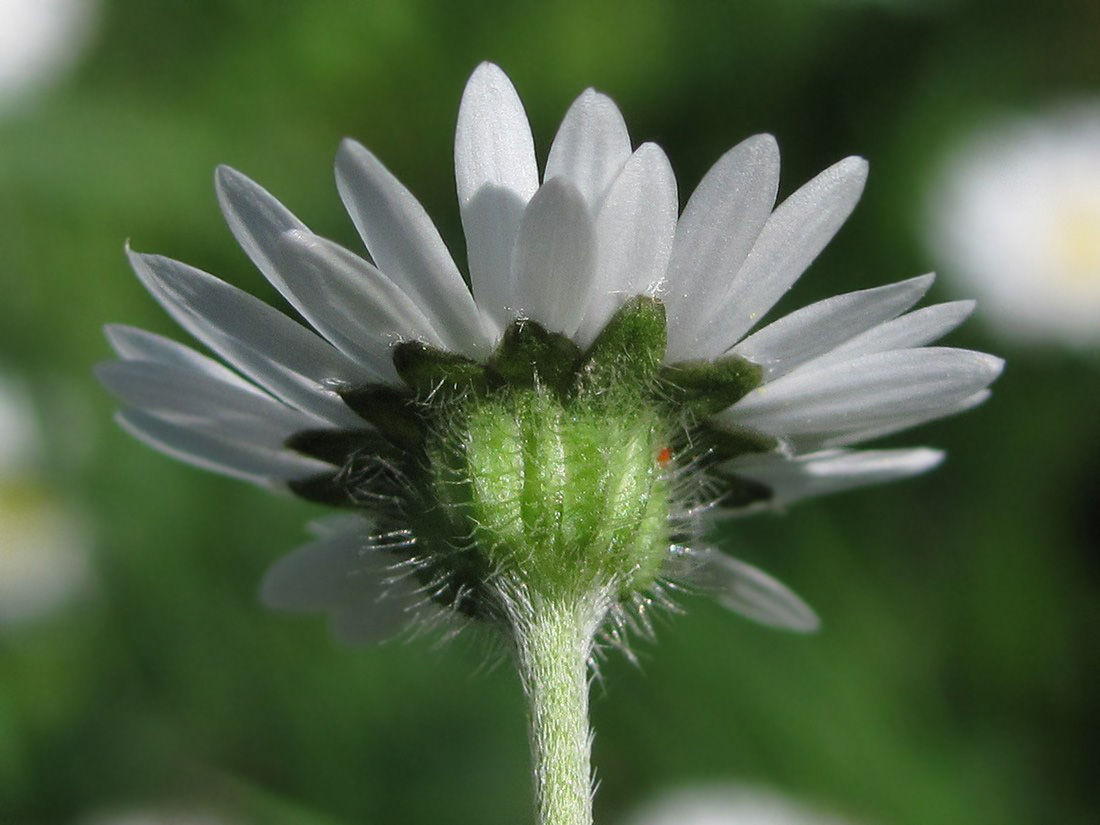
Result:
[[273, 350], [342, 575], [720, 224], [591, 146], [364, 313], [794, 235], [407, 247], [496, 175], [370, 619], [218, 451], [338, 523], [747, 590], [821, 327], [321, 574], [634, 235], [914, 329], [345, 298], [258, 222], [187, 397], [554, 256], [138, 345], [830, 471], [870, 391], [861, 436]]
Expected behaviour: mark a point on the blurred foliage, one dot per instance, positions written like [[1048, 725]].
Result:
[[955, 680]]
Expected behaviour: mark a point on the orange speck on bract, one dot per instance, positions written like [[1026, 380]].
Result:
[[664, 456]]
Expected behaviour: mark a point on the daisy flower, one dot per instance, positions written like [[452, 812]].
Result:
[[1015, 214], [541, 447]]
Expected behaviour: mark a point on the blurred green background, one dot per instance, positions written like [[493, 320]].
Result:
[[955, 681]]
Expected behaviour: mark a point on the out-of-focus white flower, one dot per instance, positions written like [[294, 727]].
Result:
[[43, 546], [39, 40], [18, 433], [1015, 216], [157, 817], [730, 805]]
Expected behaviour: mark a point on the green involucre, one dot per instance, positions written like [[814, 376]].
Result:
[[546, 468], [558, 495]]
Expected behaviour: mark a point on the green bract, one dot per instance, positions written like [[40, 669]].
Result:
[[547, 468]]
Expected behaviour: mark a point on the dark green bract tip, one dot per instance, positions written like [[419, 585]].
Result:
[[707, 387], [328, 488], [392, 411], [530, 355], [730, 442], [630, 348], [337, 447], [741, 492], [427, 369]]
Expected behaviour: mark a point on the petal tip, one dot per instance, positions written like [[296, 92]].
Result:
[[926, 458], [226, 176], [352, 151], [854, 167], [486, 76], [764, 141]]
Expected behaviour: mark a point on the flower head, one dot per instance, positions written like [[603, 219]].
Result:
[[1015, 212], [569, 420]]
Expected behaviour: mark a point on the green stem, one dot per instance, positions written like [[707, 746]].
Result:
[[554, 641]]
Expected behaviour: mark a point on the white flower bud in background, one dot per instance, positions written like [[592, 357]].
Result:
[[39, 41], [44, 560], [157, 817], [1014, 217], [730, 805]]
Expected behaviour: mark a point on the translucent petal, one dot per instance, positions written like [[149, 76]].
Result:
[[367, 619], [747, 590], [407, 247], [830, 471], [720, 224], [496, 175], [914, 329], [273, 350], [345, 298], [341, 575], [138, 345], [862, 436], [186, 396], [323, 573], [591, 146], [364, 313], [869, 391], [818, 328], [634, 234], [229, 450], [554, 257], [793, 236]]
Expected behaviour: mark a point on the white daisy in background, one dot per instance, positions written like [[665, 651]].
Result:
[[730, 805], [1015, 214], [44, 560], [156, 817], [389, 407], [39, 41]]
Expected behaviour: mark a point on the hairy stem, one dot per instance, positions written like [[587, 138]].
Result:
[[554, 640]]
